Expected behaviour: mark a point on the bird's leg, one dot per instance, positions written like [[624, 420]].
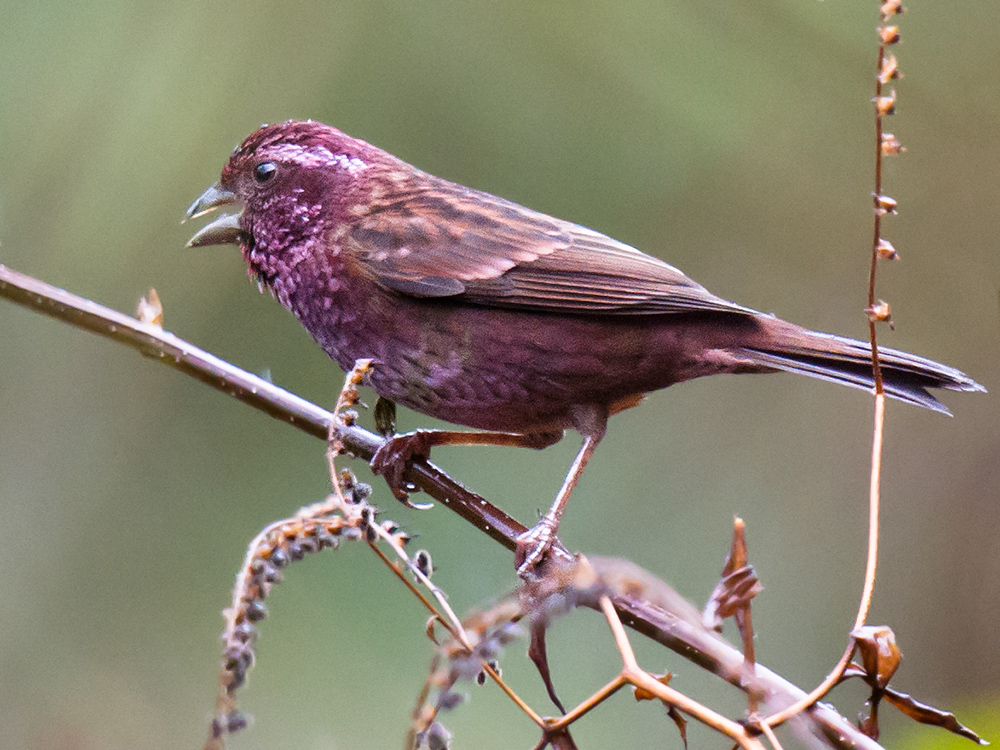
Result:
[[536, 541], [396, 453]]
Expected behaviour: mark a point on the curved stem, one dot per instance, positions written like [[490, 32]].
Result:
[[701, 647], [876, 463]]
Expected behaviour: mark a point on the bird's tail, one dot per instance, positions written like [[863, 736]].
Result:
[[905, 377]]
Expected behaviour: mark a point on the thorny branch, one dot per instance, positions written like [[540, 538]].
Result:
[[666, 621]]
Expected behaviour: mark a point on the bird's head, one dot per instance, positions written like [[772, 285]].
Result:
[[294, 183]]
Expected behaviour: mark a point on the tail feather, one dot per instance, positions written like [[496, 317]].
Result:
[[905, 377]]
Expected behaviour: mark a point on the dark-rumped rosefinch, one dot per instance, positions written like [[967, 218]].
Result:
[[487, 314]]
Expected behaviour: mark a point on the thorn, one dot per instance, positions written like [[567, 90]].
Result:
[[879, 313], [889, 70], [888, 34], [890, 146], [886, 251], [885, 105], [885, 205], [891, 8]]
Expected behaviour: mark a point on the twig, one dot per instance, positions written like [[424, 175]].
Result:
[[634, 674], [454, 623], [835, 674], [877, 233], [882, 107], [769, 733], [700, 647]]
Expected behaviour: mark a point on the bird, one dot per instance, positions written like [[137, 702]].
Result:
[[490, 315]]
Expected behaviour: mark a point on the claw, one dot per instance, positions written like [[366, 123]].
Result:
[[393, 458], [533, 545]]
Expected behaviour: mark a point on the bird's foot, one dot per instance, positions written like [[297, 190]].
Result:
[[533, 545], [395, 455]]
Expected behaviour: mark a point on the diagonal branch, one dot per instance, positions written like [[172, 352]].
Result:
[[671, 629], [154, 342]]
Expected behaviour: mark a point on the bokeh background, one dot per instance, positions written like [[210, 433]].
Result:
[[732, 139]]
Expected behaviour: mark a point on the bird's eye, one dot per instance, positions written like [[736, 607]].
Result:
[[264, 171]]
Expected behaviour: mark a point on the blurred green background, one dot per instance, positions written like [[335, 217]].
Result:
[[732, 139]]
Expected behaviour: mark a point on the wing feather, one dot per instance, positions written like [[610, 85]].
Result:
[[435, 238]]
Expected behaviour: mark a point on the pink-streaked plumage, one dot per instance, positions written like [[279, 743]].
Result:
[[471, 299], [488, 314]]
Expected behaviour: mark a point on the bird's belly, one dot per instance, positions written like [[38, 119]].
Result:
[[496, 369]]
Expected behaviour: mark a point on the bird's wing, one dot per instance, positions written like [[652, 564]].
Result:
[[434, 238]]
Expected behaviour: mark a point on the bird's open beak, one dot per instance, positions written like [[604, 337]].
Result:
[[225, 230]]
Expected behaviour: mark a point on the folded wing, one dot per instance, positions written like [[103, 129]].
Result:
[[434, 238]]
